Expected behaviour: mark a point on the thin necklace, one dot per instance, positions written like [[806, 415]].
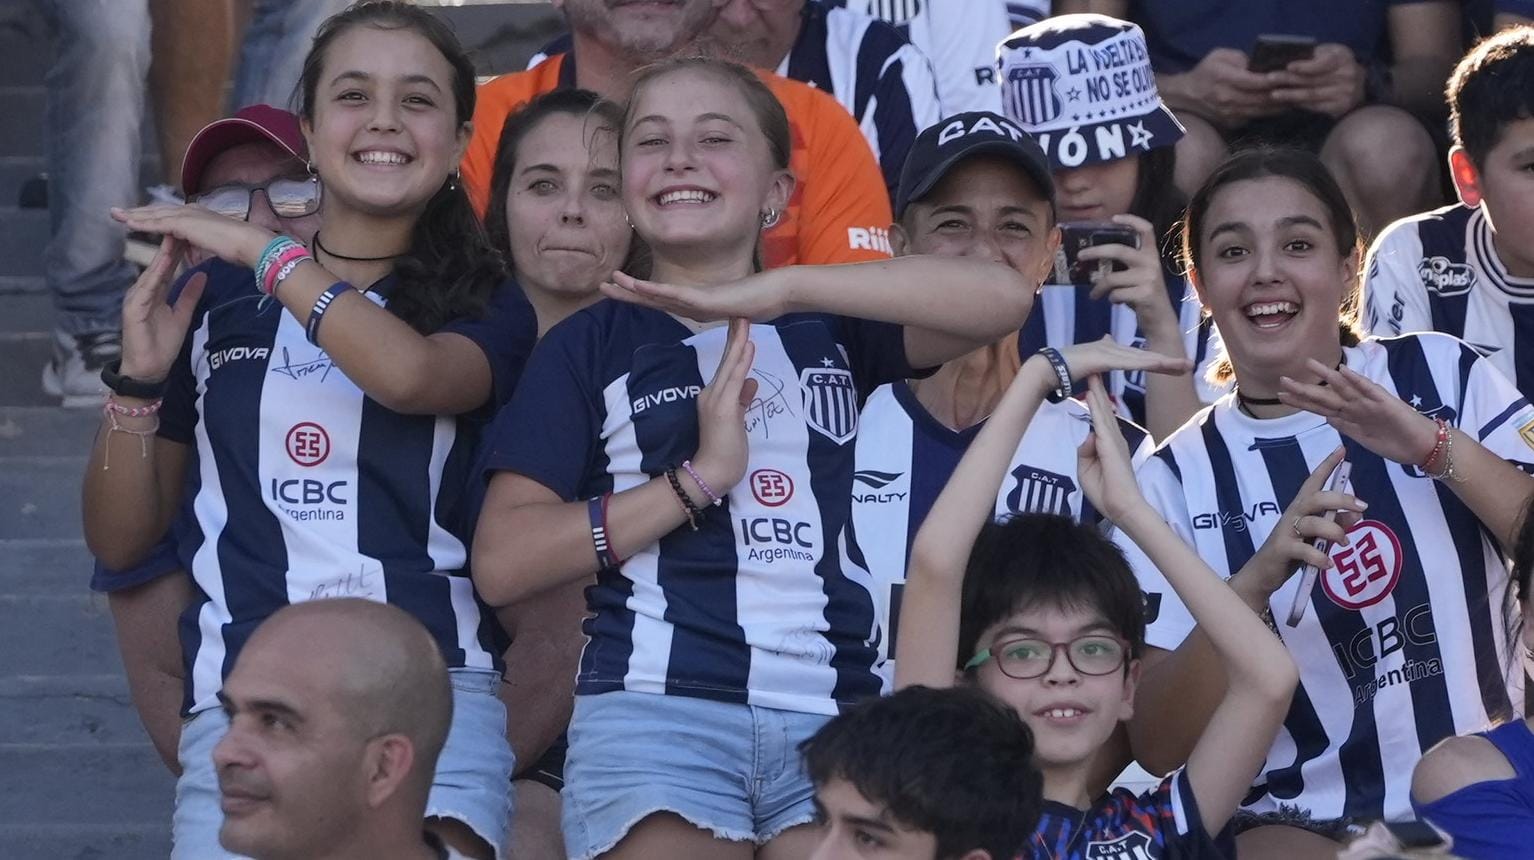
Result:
[[1246, 403], [320, 246]]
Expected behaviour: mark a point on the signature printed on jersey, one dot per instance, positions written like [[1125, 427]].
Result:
[[319, 366], [770, 402]]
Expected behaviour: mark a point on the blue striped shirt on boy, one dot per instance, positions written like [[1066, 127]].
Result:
[[1403, 642]]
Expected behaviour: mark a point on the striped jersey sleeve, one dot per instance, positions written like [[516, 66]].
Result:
[[959, 37], [1402, 642]]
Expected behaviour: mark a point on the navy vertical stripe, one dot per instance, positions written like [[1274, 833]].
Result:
[[849, 607], [1227, 491], [807, 59], [1522, 345]]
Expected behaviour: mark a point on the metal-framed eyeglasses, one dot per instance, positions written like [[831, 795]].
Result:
[[1025, 658], [289, 198]]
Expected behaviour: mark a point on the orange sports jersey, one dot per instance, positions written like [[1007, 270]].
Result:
[[839, 212]]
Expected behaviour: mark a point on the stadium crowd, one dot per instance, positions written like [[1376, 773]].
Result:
[[556, 465]]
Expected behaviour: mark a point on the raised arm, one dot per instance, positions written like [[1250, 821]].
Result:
[[929, 631], [403, 370], [950, 306], [530, 539]]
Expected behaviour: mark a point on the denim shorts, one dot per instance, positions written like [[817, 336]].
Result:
[[733, 770], [472, 784]]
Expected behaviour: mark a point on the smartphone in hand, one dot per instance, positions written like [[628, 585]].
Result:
[[1273, 52], [1078, 235], [1337, 484]]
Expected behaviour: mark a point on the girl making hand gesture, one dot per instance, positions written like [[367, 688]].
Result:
[[310, 413], [702, 475]]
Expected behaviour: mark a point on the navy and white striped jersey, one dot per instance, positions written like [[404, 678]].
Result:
[[869, 67], [905, 456], [1439, 271], [1064, 314], [959, 37], [302, 487], [1403, 643], [768, 602]]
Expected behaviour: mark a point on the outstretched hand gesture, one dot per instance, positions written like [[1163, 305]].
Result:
[[759, 297], [1103, 463], [1362, 410], [722, 446], [1105, 354], [153, 328], [237, 241]]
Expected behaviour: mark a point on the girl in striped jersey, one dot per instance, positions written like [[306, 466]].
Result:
[[1114, 160], [316, 435], [703, 474], [1400, 644]]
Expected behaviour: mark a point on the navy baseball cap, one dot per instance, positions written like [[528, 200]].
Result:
[[942, 146], [1083, 86]]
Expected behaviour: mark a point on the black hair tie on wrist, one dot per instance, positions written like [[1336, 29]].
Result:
[[1062, 373]]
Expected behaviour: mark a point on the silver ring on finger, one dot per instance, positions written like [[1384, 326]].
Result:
[[1296, 526]]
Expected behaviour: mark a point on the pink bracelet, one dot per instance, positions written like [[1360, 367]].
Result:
[[713, 498], [112, 407], [282, 265]]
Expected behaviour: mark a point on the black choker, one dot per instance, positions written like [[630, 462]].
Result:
[[319, 246], [1249, 402]]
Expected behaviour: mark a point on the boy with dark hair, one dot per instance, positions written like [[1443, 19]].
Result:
[[925, 774], [1468, 269], [1045, 615]]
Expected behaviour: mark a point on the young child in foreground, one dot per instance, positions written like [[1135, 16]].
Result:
[[1045, 615], [924, 775]]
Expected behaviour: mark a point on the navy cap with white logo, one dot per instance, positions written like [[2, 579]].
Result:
[[942, 146], [1082, 85]]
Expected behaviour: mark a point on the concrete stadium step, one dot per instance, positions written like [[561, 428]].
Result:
[[40, 496], [17, 169], [46, 432], [69, 633], [72, 709], [126, 786], [23, 233], [85, 841], [43, 567]]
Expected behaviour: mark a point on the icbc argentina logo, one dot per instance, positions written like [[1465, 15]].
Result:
[[771, 487], [308, 444], [1365, 572]]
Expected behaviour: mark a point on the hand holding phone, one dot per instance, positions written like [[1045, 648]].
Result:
[[1337, 484], [1273, 52], [1078, 235]]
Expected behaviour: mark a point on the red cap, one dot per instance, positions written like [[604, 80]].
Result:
[[254, 124]]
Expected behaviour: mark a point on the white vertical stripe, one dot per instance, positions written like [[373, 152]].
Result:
[[212, 515], [884, 444]]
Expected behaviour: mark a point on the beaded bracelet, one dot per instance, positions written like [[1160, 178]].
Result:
[[112, 406], [111, 409], [321, 304], [1443, 451], [713, 498], [688, 508]]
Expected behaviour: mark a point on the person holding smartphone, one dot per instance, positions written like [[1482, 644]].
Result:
[[1355, 99], [1402, 644], [1113, 155]]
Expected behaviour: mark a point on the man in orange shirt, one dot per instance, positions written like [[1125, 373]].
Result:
[[840, 210]]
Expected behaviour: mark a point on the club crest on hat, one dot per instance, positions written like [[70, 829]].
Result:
[[1083, 87]]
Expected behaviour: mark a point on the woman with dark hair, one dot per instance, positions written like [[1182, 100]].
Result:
[[1398, 636], [1480, 788], [1112, 150], [701, 475], [310, 412]]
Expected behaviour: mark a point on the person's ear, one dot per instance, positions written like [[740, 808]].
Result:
[[781, 191], [1467, 179], [1350, 267], [306, 128], [1131, 683], [900, 241], [388, 761]]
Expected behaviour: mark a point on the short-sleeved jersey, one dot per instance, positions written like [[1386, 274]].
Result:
[[1161, 824], [1180, 32], [839, 211], [959, 37], [1065, 314], [1025, 13], [905, 457], [1439, 271], [303, 487], [768, 602], [1402, 644], [1492, 819]]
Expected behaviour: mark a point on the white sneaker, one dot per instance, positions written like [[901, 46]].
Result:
[[74, 374]]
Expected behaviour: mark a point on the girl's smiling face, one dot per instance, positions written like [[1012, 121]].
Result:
[[385, 134]]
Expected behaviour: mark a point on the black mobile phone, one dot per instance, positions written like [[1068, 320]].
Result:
[[1076, 235], [1415, 834], [1274, 51]]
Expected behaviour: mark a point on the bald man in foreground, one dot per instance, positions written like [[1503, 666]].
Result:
[[338, 710]]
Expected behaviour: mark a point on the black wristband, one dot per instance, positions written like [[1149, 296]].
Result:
[[1062, 373], [127, 386]]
